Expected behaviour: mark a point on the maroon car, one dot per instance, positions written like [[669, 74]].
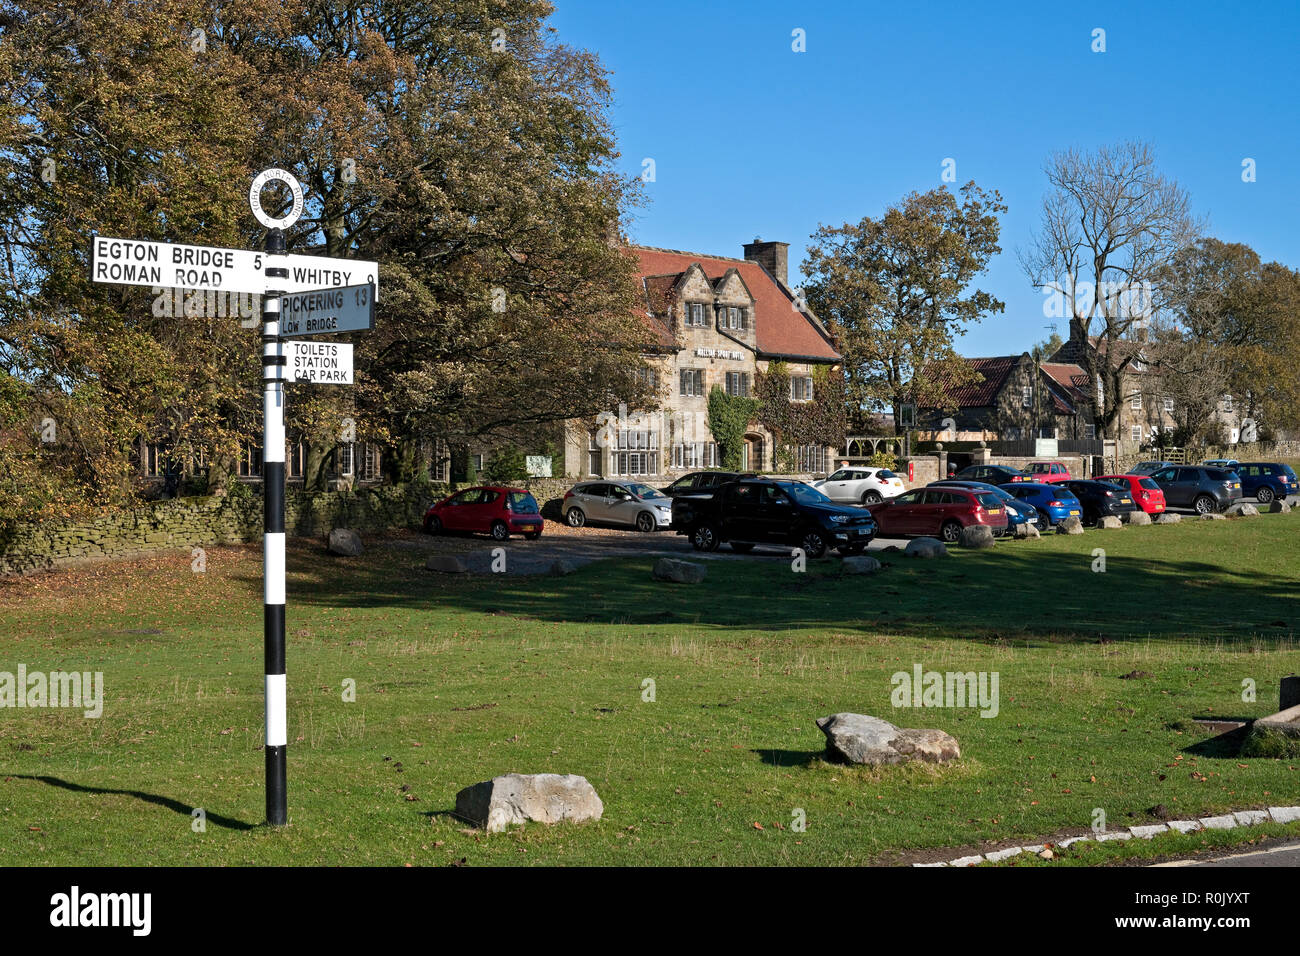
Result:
[[938, 512], [490, 509]]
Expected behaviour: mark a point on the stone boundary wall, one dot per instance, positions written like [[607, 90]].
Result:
[[191, 522], [204, 521]]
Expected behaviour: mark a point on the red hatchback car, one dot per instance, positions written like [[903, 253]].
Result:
[[1147, 495], [1048, 472], [492, 509], [938, 512]]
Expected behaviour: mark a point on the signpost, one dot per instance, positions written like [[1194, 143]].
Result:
[[210, 269], [349, 309], [301, 295], [327, 363]]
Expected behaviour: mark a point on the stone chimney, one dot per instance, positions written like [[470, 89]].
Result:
[[772, 256]]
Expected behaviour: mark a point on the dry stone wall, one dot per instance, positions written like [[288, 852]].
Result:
[[197, 522]]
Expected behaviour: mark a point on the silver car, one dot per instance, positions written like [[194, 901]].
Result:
[[617, 502]]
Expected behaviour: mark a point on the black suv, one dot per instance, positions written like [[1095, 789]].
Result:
[[1101, 499], [1202, 489], [703, 482], [763, 511], [992, 474]]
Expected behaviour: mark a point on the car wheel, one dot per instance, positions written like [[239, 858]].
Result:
[[872, 498], [432, 525], [951, 531], [741, 547], [1264, 495], [645, 521], [705, 538], [499, 531], [576, 517], [812, 543], [1043, 521], [1205, 505]]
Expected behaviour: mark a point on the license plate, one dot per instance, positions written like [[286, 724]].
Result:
[[995, 511], [1236, 484], [1074, 513], [1126, 501]]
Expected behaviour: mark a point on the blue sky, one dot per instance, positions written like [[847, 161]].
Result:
[[752, 139]]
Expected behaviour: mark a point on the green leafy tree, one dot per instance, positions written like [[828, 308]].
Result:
[[895, 292]]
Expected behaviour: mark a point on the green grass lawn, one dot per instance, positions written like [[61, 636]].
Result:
[[460, 679]]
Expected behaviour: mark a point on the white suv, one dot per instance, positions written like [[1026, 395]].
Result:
[[866, 486]]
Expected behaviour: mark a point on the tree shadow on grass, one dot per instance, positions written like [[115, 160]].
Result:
[[1018, 592], [161, 801]]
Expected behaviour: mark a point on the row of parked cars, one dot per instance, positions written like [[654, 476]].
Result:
[[847, 509]]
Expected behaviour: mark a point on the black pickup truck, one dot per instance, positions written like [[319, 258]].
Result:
[[703, 482], [769, 511]]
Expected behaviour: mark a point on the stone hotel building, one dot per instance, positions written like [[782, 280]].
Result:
[[710, 320]]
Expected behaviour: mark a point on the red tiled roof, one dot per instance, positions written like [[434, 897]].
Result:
[[1068, 385], [1072, 379], [779, 328], [978, 394]]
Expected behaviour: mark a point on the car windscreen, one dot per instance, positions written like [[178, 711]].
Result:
[[643, 491], [521, 503], [1219, 474], [1148, 484], [885, 473], [805, 495], [1288, 471], [989, 500]]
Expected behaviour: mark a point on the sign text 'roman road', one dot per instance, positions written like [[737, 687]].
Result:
[[208, 268]]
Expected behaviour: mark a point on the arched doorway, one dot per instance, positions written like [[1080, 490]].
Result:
[[754, 454]]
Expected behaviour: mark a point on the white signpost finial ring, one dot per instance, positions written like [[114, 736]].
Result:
[[255, 198]]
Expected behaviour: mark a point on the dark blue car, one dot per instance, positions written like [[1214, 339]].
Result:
[[1018, 512], [1053, 503], [1266, 480]]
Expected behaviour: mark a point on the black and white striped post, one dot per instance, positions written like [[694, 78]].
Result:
[[273, 553], [273, 448]]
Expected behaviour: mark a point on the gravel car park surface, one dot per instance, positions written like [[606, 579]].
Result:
[[577, 545]]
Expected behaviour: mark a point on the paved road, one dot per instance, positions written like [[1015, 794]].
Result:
[[1284, 855]]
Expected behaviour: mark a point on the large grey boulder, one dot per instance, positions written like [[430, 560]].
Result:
[[977, 536], [344, 542], [1110, 522], [1026, 530], [561, 567], [860, 564], [447, 563], [1279, 507], [1167, 518], [925, 548], [1213, 516], [678, 571], [858, 738], [1070, 525], [1139, 518], [1242, 509], [517, 798]]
